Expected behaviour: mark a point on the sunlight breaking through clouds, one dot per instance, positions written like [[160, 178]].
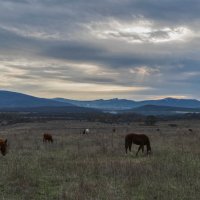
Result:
[[139, 31], [86, 87], [67, 77], [144, 70]]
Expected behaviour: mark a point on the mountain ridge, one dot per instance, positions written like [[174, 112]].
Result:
[[9, 99], [125, 104]]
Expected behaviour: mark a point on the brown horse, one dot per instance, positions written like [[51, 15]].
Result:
[[138, 139], [3, 146], [47, 137]]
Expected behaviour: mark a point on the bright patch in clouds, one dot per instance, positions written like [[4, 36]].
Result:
[[63, 77], [139, 31], [85, 87], [144, 70]]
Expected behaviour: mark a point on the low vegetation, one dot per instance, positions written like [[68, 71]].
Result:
[[95, 166]]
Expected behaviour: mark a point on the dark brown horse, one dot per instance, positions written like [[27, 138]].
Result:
[[47, 138], [3, 146], [138, 139]]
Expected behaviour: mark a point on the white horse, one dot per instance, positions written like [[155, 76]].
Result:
[[86, 131]]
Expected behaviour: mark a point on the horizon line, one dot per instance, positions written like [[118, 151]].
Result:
[[117, 98]]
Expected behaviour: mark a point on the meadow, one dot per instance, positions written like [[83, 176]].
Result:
[[95, 166]]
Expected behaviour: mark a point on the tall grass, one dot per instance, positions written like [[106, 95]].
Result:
[[95, 166]]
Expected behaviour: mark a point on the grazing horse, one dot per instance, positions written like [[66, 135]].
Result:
[[3, 146], [173, 125], [138, 139], [47, 137], [190, 130], [114, 130], [86, 131]]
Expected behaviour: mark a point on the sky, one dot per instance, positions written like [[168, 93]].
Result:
[[90, 49]]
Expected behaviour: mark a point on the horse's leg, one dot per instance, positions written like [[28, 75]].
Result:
[[129, 146], [138, 149], [147, 150], [126, 147], [142, 148]]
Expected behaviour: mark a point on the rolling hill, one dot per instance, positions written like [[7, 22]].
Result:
[[13, 99], [18, 102]]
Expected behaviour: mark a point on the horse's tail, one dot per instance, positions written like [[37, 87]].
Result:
[[148, 146]]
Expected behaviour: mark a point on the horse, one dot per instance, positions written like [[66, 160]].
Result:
[[86, 131], [47, 137], [114, 130], [3, 146], [173, 125], [138, 139]]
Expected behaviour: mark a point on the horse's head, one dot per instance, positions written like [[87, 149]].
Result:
[[149, 152], [3, 146]]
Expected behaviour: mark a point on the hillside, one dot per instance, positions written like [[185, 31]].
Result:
[[13, 99]]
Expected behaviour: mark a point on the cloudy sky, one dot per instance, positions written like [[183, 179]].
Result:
[[89, 49]]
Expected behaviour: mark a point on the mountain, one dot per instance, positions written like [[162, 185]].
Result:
[[14, 99], [162, 110], [124, 104], [111, 104], [182, 103], [18, 102]]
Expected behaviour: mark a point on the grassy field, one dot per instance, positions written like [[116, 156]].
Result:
[[95, 166]]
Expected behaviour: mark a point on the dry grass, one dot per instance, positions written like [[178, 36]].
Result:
[[95, 166]]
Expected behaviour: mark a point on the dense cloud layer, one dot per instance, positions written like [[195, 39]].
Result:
[[100, 49]]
